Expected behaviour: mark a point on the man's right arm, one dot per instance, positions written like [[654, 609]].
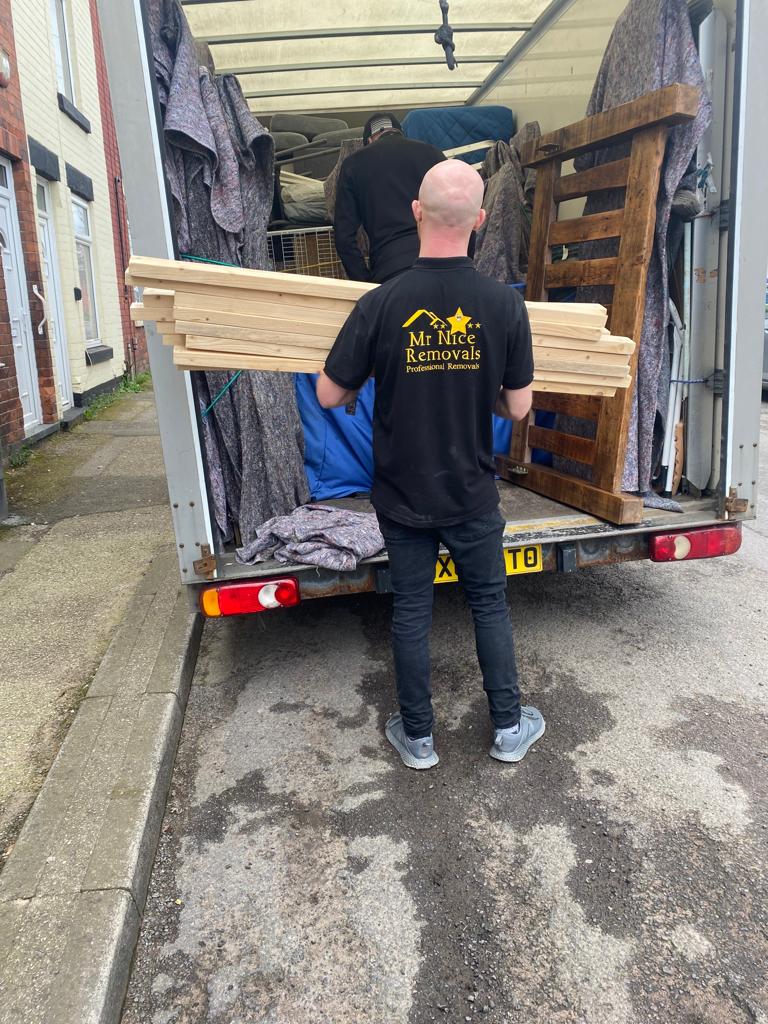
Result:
[[514, 403], [516, 395], [346, 224], [350, 361]]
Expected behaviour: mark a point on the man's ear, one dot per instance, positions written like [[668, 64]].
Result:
[[480, 220], [416, 208]]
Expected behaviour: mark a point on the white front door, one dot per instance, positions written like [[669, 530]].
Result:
[[54, 310], [18, 307]]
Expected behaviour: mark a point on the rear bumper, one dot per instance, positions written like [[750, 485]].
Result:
[[560, 556]]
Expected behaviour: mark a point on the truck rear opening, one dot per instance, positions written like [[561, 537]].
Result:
[[540, 61]]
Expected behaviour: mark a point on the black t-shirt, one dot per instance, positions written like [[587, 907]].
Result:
[[376, 187], [441, 340]]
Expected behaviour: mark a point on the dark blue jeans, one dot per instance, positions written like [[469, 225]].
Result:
[[476, 548]]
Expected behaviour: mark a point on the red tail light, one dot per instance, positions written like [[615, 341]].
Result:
[[249, 596], [707, 542]]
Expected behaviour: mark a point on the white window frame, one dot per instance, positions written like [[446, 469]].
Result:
[[87, 241], [65, 77]]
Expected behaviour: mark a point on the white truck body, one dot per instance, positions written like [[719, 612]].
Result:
[[734, 330]]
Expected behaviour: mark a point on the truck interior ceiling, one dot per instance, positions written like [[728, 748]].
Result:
[[483, 81]]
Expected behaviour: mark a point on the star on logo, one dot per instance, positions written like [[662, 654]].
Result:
[[458, 322]]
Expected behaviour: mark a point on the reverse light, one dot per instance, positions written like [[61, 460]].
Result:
[[249, 596], [707, 542]]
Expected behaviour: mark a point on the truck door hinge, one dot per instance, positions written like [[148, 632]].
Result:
[[733, 505], [723, 215], [205, 566]]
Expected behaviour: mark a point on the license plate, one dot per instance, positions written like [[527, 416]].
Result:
[[518, 560]]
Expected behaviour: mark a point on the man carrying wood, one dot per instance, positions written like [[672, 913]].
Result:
[[447, 348], [376, 187]]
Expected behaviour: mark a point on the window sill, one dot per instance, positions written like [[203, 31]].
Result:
[[98, 354], [67, 107]]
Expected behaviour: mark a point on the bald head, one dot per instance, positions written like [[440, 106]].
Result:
[[450, 197]]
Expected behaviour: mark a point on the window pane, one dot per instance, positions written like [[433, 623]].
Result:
[[62, 56], [41, 199], [3, 176], [85, 270], [80, 215]]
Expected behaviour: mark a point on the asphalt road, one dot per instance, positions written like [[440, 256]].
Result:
[[617, 876]]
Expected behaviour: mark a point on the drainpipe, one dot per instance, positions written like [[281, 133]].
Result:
[[3, 493]]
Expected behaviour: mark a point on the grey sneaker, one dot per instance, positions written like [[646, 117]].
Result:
[[513, 744], [414, 753]]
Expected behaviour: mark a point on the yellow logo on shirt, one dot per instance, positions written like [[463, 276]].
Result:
[[447, 345]]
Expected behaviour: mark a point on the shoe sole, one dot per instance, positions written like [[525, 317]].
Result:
[[417, 763], [519, 754]]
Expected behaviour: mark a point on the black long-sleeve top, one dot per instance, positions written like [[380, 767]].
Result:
[[376, 187]]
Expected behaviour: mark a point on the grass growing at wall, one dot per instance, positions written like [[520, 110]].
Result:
[[20, 457], [128, 385]]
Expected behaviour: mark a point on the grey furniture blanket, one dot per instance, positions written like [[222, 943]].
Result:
[[333, 538], [651, 46], [501, 246], [220, 168]]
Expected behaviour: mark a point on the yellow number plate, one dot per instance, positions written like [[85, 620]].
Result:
[[519, 560]]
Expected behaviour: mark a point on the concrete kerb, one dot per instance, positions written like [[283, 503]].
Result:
[[73, 890]]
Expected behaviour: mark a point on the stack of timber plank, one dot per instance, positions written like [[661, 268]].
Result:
[[222, 318]]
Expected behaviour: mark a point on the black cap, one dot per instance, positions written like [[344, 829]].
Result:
[[380, 122]]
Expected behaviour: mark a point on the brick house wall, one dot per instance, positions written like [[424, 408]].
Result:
[[13, 145], [76, 140], [134, 338]]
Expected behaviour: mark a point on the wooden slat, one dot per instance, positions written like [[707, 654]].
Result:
[[615, 346], [549, 376], [265, 304], [544, 212], [188, 359], [590, 314], [622, 509], [221, 336], [148, 271], [137, 311], [573, 273], [558, 388], [568, 330], [177, 340], [628, 305], [579, 362], [585, 229], [262, 291], [596, 179], [235, 346], [582, 449], [671, 105], [519, 449], [158, 312], [582, 406], [263, 324]]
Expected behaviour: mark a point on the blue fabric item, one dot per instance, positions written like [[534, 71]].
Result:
[[448, 127], [338, 448], [338, 452]]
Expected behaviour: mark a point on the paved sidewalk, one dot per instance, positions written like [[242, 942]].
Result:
[[94, 506]]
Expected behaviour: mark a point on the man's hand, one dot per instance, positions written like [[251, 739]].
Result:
[[514, 405], [330, 395]]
